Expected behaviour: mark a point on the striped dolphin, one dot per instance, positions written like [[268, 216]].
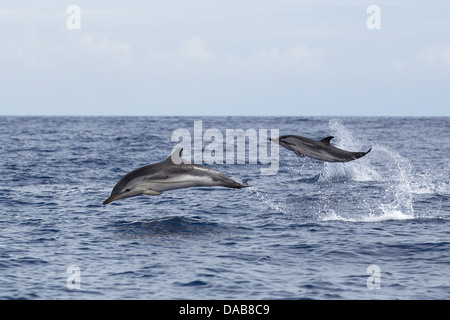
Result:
[[317, 149], [169, 174]]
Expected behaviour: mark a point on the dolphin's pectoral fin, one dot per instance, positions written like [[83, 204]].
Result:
[[295, 149], [291, 147], [301, 155], [151, 192]]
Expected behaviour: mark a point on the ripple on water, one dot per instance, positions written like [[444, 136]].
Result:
[[167, 228]]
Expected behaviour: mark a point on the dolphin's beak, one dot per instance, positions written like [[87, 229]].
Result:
[[111, 199], [276, 140]]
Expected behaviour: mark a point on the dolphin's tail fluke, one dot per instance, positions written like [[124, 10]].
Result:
[[245, 184], [360, 154]]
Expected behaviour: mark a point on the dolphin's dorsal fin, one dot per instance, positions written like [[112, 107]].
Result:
[[175, 157], [327, 139]]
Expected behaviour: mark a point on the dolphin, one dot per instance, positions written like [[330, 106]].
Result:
[[169, 174], [317, 149]]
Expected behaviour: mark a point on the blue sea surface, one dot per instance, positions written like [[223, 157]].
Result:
[[374, 228]]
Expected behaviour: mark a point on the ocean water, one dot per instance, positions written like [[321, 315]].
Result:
[[374, 228]]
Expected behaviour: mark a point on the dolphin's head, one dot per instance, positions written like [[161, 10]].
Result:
[[123, 192], [280, 141]]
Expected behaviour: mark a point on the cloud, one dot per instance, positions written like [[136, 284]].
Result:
[[299, 55], [113, 51], [435, 56], [193, 54], [35, 51], [193, 50]]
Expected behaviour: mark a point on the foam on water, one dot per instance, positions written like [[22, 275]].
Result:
[[387, 215]]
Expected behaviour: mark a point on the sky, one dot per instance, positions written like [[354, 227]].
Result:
[[233, 57]]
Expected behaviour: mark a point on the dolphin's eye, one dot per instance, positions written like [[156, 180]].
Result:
[[127, 190]]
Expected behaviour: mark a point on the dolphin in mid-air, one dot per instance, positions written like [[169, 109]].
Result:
[[317, 149], [156, 178]]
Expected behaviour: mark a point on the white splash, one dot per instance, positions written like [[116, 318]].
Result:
[[395, 202], [386, 216], [269, 202], [380, 186]]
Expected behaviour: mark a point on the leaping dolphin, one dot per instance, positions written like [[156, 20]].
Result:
[[156, 178], [317, 149]]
